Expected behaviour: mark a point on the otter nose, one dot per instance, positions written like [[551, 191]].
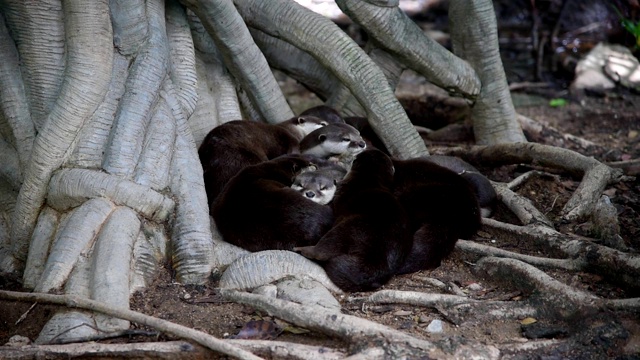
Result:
[[310, 194], [362, 144]]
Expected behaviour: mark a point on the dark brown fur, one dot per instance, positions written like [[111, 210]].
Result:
[[441, 208], [331, 115], [259, 211], [236, 144], [482, 188], [369, 242]]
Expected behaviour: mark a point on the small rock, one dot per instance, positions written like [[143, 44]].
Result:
[[423, 319], [435, 327], [632, 134], [475, 287], [18, 340]]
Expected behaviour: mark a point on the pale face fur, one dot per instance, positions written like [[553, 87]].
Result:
[[334, 140], [306, 124], [315, 186]]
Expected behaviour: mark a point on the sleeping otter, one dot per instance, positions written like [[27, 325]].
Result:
[[324, 112], [441, 207], [318, 184], [482, 188], [339, 143], [258, 210], [369, 241], [236, 144]]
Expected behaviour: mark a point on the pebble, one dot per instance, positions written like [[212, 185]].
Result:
[[435, 327], [474, 287], [18, 340]]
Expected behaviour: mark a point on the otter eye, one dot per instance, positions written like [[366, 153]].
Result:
[[324, 123], [323, 188], [346, 139]]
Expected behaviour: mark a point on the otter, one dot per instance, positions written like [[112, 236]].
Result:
[[369, 241], [441, 207], [482, 188], [329, 114], [369, 136], [258, 210], [338, 142], [318, 183], [236, 144]]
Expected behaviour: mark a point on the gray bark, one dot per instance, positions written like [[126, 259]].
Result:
[[334, 49], [474, 37]]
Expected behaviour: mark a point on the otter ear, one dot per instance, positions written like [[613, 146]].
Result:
[[321, 137], [301, 120], [309, 168]]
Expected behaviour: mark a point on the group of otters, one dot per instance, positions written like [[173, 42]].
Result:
[[325, 186]]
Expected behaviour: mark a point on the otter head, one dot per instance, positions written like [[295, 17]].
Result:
[[331, 115], [305, 124], [333, 140], [316, 185]]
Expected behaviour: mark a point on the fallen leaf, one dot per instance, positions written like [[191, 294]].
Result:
[[259, 329], [528, 321]]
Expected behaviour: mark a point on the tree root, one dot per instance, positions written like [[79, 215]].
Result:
[[149, 350], [450, 287], [281, 349], [543, 133], [618, 266], [168, 327], [484, 250], [559, 298], [595, 175], [353, 329], [414, 298]]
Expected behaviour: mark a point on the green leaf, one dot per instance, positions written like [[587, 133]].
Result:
[[558, 102]]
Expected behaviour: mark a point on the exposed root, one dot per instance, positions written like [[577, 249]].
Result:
[[630, 167], [450, 287], [414, 298], [158, 324], [541, 132], [616, 265], [595, 175], [351, 328], [522, 207], [529, 346], [558, 297], [149, 350], [484, 250], [288, 350]]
